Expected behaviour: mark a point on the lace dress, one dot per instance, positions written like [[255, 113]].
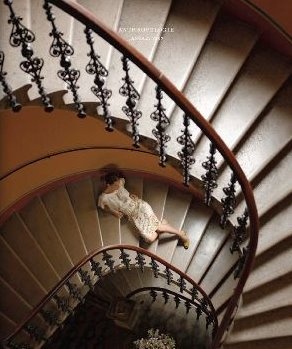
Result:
[[139, 212]]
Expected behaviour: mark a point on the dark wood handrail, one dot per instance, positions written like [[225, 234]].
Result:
[[86, 259], [89, 20]]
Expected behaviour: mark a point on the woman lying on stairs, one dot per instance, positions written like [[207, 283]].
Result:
[[119, 202]]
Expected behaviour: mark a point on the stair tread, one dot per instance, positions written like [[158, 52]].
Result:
[[84, 205]]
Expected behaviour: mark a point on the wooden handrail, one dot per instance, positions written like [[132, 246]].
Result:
[[87, 259], [90, 21]]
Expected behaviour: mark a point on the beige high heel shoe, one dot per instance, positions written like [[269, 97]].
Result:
[[186, 240]]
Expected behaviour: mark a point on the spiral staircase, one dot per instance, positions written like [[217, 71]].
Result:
[[52, 162]]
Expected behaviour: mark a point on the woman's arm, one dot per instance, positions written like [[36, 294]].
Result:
[[117, 214]]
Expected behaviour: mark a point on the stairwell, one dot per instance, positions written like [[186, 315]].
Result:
[[242, 86]]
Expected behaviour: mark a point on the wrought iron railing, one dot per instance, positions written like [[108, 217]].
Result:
[[23, 37], [60, 303]]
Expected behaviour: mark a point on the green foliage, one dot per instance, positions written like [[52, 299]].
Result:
[[155, 340]]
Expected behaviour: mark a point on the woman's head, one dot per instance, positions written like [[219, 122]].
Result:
[[112, 177]]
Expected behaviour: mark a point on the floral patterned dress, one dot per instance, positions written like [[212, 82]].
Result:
[[139, 212]]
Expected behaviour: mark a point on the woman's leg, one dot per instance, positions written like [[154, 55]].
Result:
[[167, 228]]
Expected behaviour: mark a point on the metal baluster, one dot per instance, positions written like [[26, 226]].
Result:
[[61, 48], [210, 177], [6, 88], [162, 123], [140, 261], [50, 317], [22, 36], [95, 67], [14, 345], [194, 293], [188, 306], [228, 201], [187, 151], [177, 301], [169, 276], [96, 268], [239, 232], [74, 291], [108, 261], [153, 294], [209, 320], [63, 304], [165, 295], [199, 310], [85, 278], [240, 262], [35, 332], [124, 257], [182, 284], [128, 90], [154, 267]]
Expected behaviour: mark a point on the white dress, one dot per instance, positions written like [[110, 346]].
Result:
[[139, 212]]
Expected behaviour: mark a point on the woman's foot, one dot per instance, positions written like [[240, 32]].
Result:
[[185, 240]]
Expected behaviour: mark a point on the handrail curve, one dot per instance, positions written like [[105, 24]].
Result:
[[102, 250]]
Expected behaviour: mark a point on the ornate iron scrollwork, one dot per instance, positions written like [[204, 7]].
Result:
[[74, 291], [154, 267], [239, 232], [228, 201], [162, 123], [188, 306], [85, 278], [22, 36], [153, 295], [187, 151], [128, 90], [240, 262], [63, 304], [182, 284], [177, 301], [169, 275], [96, 268], [50, 317], [210, 177], [35, 332], [108, 261], [6, 88], [95, 67], [140, 261], [61, 48], [124, 257], [194, 293], [165, 296]]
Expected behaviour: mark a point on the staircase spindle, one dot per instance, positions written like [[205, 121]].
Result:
[[128, 90], [154, 267], [50, 317], [165, 297], [140, 261], [74, 291], [210, 177], [162, 123], [188, 306], [187, 151], [153, 295], [108, 261], [85, 278], [35, 332], [177, 301], [96, 268], [63, 304], [124, 257], [194, 293], [95, 67], [32, 65], [239, 232], [13, 345], [182, 284], [169, 275], [228, 201], [61, 48], [6, 88], [240, 262]]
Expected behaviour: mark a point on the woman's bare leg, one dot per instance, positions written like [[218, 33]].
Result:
[[167, 228]]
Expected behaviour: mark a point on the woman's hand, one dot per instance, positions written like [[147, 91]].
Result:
[[118, 214], [134, 197]]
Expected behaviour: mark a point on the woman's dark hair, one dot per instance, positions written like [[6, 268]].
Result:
[[111, 177]]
